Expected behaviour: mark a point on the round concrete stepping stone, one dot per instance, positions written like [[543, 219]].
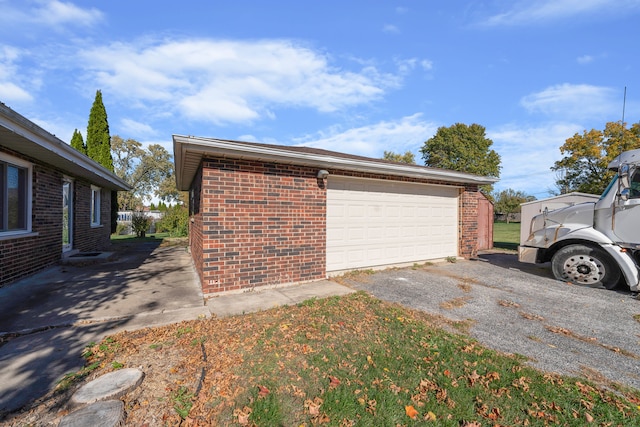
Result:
[[108, 386], [108, 413]]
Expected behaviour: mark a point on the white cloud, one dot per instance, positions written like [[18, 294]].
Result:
[[132, 127], [222, 81], [406, 66], [10, 92], [528, 153], [408, 133], [51, 14], [390, 29], [426, 64], [12, 84], [526, 12], [573, 102], [585, 59]]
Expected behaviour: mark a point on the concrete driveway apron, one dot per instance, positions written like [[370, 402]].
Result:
[[47, 319]]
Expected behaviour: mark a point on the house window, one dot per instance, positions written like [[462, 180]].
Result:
[[15, 196], [95, 206]]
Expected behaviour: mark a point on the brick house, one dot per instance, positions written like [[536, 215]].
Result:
[[266, 215], [54, 201]]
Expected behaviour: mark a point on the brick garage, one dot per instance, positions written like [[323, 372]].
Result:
[[261, 216], [34, 165]]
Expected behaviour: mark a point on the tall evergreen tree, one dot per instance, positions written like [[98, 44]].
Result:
[[98, 138], [99, 146], [77, 142]]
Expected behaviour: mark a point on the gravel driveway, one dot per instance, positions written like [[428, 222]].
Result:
[[520, 308]]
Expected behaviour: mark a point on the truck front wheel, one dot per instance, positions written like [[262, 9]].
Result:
[[585, 265]]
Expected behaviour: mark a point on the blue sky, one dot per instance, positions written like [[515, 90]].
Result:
[[356, 76]]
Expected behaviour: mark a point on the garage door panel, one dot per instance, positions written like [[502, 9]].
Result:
[[372, 223]]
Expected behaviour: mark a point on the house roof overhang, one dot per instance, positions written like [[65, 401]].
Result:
[[25, 137], [189, 152]]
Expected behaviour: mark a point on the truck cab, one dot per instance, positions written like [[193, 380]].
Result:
[[594, 243]]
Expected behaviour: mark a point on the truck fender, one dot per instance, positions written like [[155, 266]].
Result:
[[626, 264], [588, 234]]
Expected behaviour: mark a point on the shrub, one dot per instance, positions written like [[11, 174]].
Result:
[[140, 223], [122, 229], [175, 221]]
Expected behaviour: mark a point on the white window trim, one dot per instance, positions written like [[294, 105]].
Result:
[[29, 167], [96, 209]]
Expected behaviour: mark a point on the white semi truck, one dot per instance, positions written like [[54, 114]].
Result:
[[593, 243]]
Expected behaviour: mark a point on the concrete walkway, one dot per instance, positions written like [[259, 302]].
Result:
[[47, 319]]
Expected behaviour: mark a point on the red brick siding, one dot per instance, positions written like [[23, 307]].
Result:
[[85, 237], [468, 229], [256, 224], [195, 226], [22, 256], [262, 224]]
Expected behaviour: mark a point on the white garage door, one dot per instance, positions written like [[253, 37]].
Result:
[[373, 223]]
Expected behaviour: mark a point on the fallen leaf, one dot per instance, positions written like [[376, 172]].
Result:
[[313, 406], [588, 417], [333, 382], [243, 415], [263, 391], [411, 412], [430, 416], [473, 377]]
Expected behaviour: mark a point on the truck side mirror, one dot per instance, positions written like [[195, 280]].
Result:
[[623, 176], [624, 194]]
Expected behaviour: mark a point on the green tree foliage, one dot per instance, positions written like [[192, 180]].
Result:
[[408, 157], [507, 202], [148, 171], [98, 138], [77, 142], [175, 221], [463, 148], [98, 147], [586, 157]]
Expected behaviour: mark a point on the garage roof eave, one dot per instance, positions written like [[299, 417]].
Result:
[[189, 152]]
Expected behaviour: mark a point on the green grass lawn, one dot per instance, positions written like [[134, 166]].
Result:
[[349, 361], [132, 237], [506, 236]]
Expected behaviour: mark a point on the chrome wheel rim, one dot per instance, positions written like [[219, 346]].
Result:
[[584, 270]]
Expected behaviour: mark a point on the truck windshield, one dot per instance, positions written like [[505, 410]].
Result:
[[606, 190]]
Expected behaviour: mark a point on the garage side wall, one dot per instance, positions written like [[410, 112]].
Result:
[[262, 224], [469, 221], [196, 214]]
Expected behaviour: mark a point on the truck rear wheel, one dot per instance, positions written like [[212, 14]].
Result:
[[586, 266]]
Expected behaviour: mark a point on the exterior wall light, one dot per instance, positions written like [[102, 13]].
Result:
[[323, 174]]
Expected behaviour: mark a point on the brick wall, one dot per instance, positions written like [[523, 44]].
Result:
[[468, 228], [22, 256], [195, 225], [262, 224], [255, 224], [85, 237]]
